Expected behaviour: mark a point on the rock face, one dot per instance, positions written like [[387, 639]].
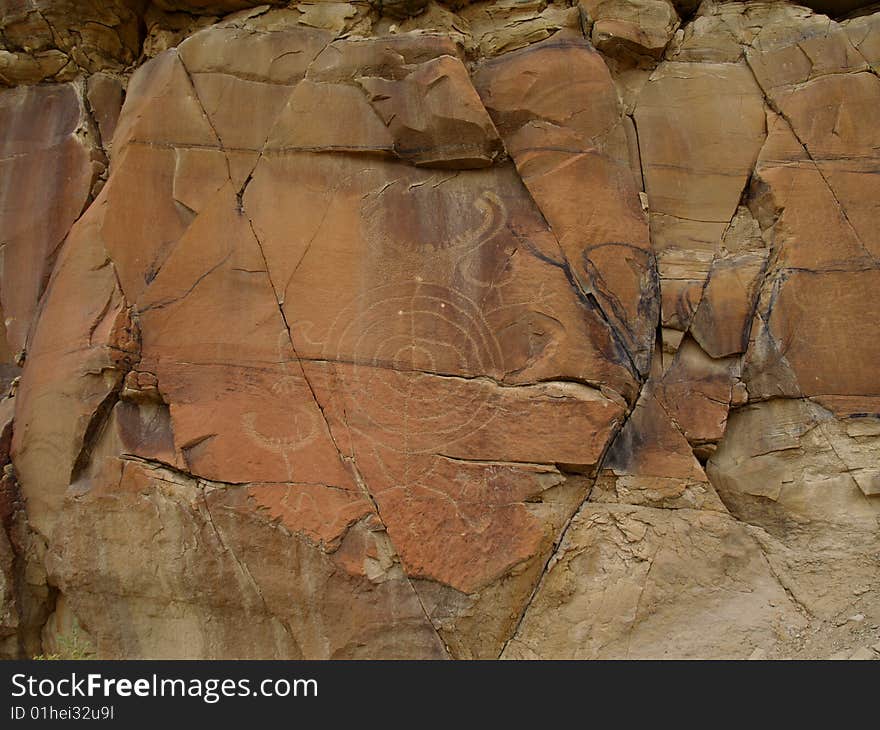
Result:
[[56, 40], [414, 330]]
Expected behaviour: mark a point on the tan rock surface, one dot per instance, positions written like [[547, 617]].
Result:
[[508, 25], [809, 481], [230, 576], [701, 126], [428, 329], [8, 610], [637, 582], [56, 39], [638, 27], [792, 460]]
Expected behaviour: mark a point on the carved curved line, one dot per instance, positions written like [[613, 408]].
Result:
[[490, 225], [278, 444]]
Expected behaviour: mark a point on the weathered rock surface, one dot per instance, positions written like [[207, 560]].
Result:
[[809, 481], [631, 27], [438, 330], [638, 582], [46, 136], [42, 40], [579, 166], [773, 259]]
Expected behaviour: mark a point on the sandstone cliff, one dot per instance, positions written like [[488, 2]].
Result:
[[422, 329]]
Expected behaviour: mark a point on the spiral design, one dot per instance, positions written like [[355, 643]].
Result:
[[392, 342]]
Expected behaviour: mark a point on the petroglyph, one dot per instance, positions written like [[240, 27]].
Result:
[[392, 340], [303, 422]]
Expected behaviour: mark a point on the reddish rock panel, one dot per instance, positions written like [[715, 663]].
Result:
[[576, 162], [360, 328], [46, 175], [387, 345]]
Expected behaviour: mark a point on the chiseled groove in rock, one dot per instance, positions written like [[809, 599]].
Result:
[[189, 146], [548, 467], [255, 78], [830, 269], [336, 150], [775, 107], [359, 479], [348, 150], [286, 150]]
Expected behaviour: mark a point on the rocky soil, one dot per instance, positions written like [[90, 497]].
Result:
[[416, 329]]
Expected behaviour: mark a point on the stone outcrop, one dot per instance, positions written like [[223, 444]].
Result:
[[57, 40], [438, 330]]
